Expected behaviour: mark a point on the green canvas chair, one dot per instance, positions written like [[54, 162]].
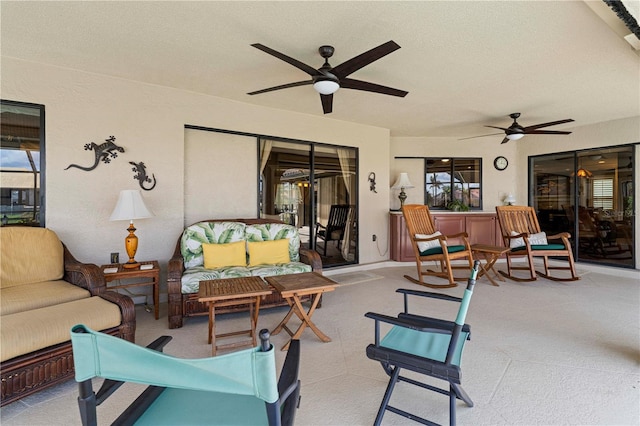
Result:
[[429, 346], [231, 389]]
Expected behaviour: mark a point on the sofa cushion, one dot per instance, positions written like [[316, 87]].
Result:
[[191, 277], [221, 255], [276, 231], [25, 332], [268, 252], [279, 269], [208, 232], [39, 295], [29, 255]]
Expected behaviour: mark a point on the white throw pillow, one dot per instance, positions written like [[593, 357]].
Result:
[[539, 239], [426, 245]]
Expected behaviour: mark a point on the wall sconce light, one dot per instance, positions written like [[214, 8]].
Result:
[[401, 183], [510, 200]]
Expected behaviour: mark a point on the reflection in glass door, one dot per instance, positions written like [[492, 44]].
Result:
[[590, 194], [313, 187]]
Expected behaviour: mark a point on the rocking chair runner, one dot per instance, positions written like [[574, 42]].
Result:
[[520, 223], [334, 231], [431, 245], [235, 388], [428, 346]]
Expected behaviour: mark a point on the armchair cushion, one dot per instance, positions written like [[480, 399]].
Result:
[[191, 277], [268, 252], [38, 295], [28, 331], [30, 255], [279, 269]]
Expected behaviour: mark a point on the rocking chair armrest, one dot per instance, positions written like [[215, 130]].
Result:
[[428, 294], [319, 225], [513, 237], [459, 235], [436, 237], [560, 236]]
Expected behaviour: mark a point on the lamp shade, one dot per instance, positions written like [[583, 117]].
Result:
[[402, 182], [326, 87], [130, 206]]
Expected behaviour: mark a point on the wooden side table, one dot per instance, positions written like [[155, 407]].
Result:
[[233, 291], [152, 274], [490, 254], [291, 288]]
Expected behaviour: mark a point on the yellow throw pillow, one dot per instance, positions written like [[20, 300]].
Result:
[[269, 252], [220, 255]]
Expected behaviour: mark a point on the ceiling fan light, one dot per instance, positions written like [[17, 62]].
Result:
[[326, 87], [515, 136]]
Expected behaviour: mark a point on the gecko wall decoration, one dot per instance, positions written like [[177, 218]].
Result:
[[103, 152], [142, 176]]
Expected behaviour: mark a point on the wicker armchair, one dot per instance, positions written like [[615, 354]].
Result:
[[26, 373]]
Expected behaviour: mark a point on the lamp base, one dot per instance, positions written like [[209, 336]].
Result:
[[131, 245], [402, 197], [131, 265]]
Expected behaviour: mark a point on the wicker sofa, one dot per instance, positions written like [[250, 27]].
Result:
[[186, 267], [44, 291]]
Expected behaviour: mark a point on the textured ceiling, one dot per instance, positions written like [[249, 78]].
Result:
[[464, 64]]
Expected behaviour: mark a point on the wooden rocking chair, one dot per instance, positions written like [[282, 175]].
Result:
[[428, 244], [334, 231], [521, 231]]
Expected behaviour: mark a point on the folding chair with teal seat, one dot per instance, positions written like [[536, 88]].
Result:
[[425, 345], [235, 388]]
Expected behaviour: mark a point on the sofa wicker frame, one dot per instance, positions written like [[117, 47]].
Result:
[[30, 373], [187, 305]]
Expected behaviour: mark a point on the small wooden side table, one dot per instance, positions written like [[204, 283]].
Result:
[[153, 274], [490, 254], [291, 288], [233, 291]]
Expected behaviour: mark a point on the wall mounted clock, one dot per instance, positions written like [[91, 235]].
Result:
[[500, 163]]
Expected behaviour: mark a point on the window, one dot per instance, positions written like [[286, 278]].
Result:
[[603, 194], [451, 181], [21, 164]]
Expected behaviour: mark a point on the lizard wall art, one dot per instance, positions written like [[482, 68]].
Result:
[[103, 152], [141, 175]]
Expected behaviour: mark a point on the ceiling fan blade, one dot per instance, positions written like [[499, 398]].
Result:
[[481, 136], [296, 63], [551, 123], [283, 86], [327, 103], [505, 140], [349, 83], [494, 127], [364, 59], [547, 132]]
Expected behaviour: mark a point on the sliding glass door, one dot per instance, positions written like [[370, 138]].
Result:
[[313, 187], [590, 194]]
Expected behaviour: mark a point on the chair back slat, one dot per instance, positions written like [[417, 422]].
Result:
[[418, 219], [517, 219], [338, 216]]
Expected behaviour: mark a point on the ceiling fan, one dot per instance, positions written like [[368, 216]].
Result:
[[326, 80], [516, 131]]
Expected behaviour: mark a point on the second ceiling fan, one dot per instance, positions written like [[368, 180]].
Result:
[[516, 131], [327, 79]]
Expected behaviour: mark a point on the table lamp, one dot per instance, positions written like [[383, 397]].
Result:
[[131, 206], [401, 183]]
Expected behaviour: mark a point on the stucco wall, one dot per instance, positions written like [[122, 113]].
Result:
[[148, 121]]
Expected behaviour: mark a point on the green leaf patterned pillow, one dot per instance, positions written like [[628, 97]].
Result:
[[208, 232], [276, 231]]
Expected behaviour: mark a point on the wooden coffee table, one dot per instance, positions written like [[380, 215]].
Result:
[[291, 288], [490, 254], [233, 291]]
